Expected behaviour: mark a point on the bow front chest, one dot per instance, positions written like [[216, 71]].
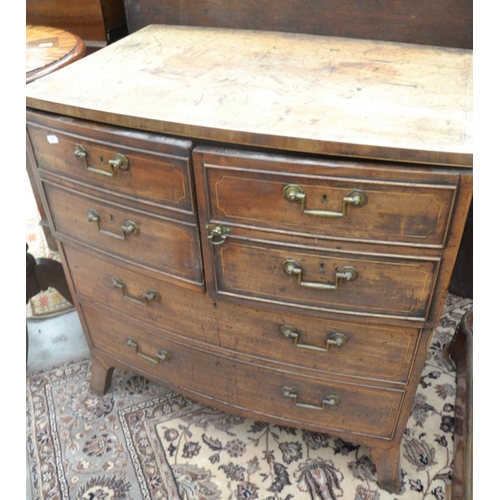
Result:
[[266, 222]]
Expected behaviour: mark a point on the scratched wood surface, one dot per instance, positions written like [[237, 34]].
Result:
[[306, 93]]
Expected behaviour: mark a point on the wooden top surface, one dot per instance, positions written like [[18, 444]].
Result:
[[48, 49], [306, 93]]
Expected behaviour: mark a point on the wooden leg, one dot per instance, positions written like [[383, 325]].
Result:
[[388, 467], [100, 380]]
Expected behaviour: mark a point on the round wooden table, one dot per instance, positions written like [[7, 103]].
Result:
[[48, 49]]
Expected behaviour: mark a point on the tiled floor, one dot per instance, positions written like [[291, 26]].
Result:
[[51, 342]]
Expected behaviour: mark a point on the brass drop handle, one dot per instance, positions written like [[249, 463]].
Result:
[[331, 400], [347, 273], [217, 234], [128, 229], [161, 355], [335, 339], [118, 162], [295, 194], [144, 299]]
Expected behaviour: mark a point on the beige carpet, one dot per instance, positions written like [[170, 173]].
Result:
[[142, 441], [47, 303]]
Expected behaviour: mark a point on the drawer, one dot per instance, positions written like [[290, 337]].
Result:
[[331, 281], [330, 347], [335, 200], [166, 245], [152, 168], [279, 396]]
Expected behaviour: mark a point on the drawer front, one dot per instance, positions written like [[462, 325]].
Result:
[[168, 246], [328, 200], [131, 164], [359, 284], [260, 392], [330, 347]]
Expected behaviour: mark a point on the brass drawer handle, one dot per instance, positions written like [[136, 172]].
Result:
[[335, 339], [347, 273], [118, 162], [144, 299], [128, 229], [161, 355], [331, 400], [217, 234], [295, 194]]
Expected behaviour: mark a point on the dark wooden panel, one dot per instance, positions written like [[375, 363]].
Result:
[[462, 281], [95, 21], [446, 23]]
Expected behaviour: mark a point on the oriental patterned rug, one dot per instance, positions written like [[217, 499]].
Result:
[[48, 302], [142, 441]]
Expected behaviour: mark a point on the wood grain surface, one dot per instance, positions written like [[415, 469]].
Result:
[[313, 94], [48, 49]]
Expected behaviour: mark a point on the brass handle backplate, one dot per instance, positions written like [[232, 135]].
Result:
[[335, 339], [295, 194], [347, 273], [128, 229], [217, 234], [161, 355], [144, 299], [331, 400], [118, 162]]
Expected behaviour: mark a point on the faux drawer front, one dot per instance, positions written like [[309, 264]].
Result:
[[132, 164], [330, 200], [331, 347], [393, 287], [248, 387], [169, 246]]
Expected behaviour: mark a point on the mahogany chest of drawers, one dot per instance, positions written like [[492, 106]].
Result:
[[265, 222]]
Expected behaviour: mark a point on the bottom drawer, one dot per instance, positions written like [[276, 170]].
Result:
[[280, 396]]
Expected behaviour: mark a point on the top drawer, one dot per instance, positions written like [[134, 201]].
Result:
[[152, 168], [332, 200]]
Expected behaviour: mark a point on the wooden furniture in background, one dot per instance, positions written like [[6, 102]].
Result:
[[447, 23], [96, 22], [48, 49], [279, 213], [44, 273], [460, 352]]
